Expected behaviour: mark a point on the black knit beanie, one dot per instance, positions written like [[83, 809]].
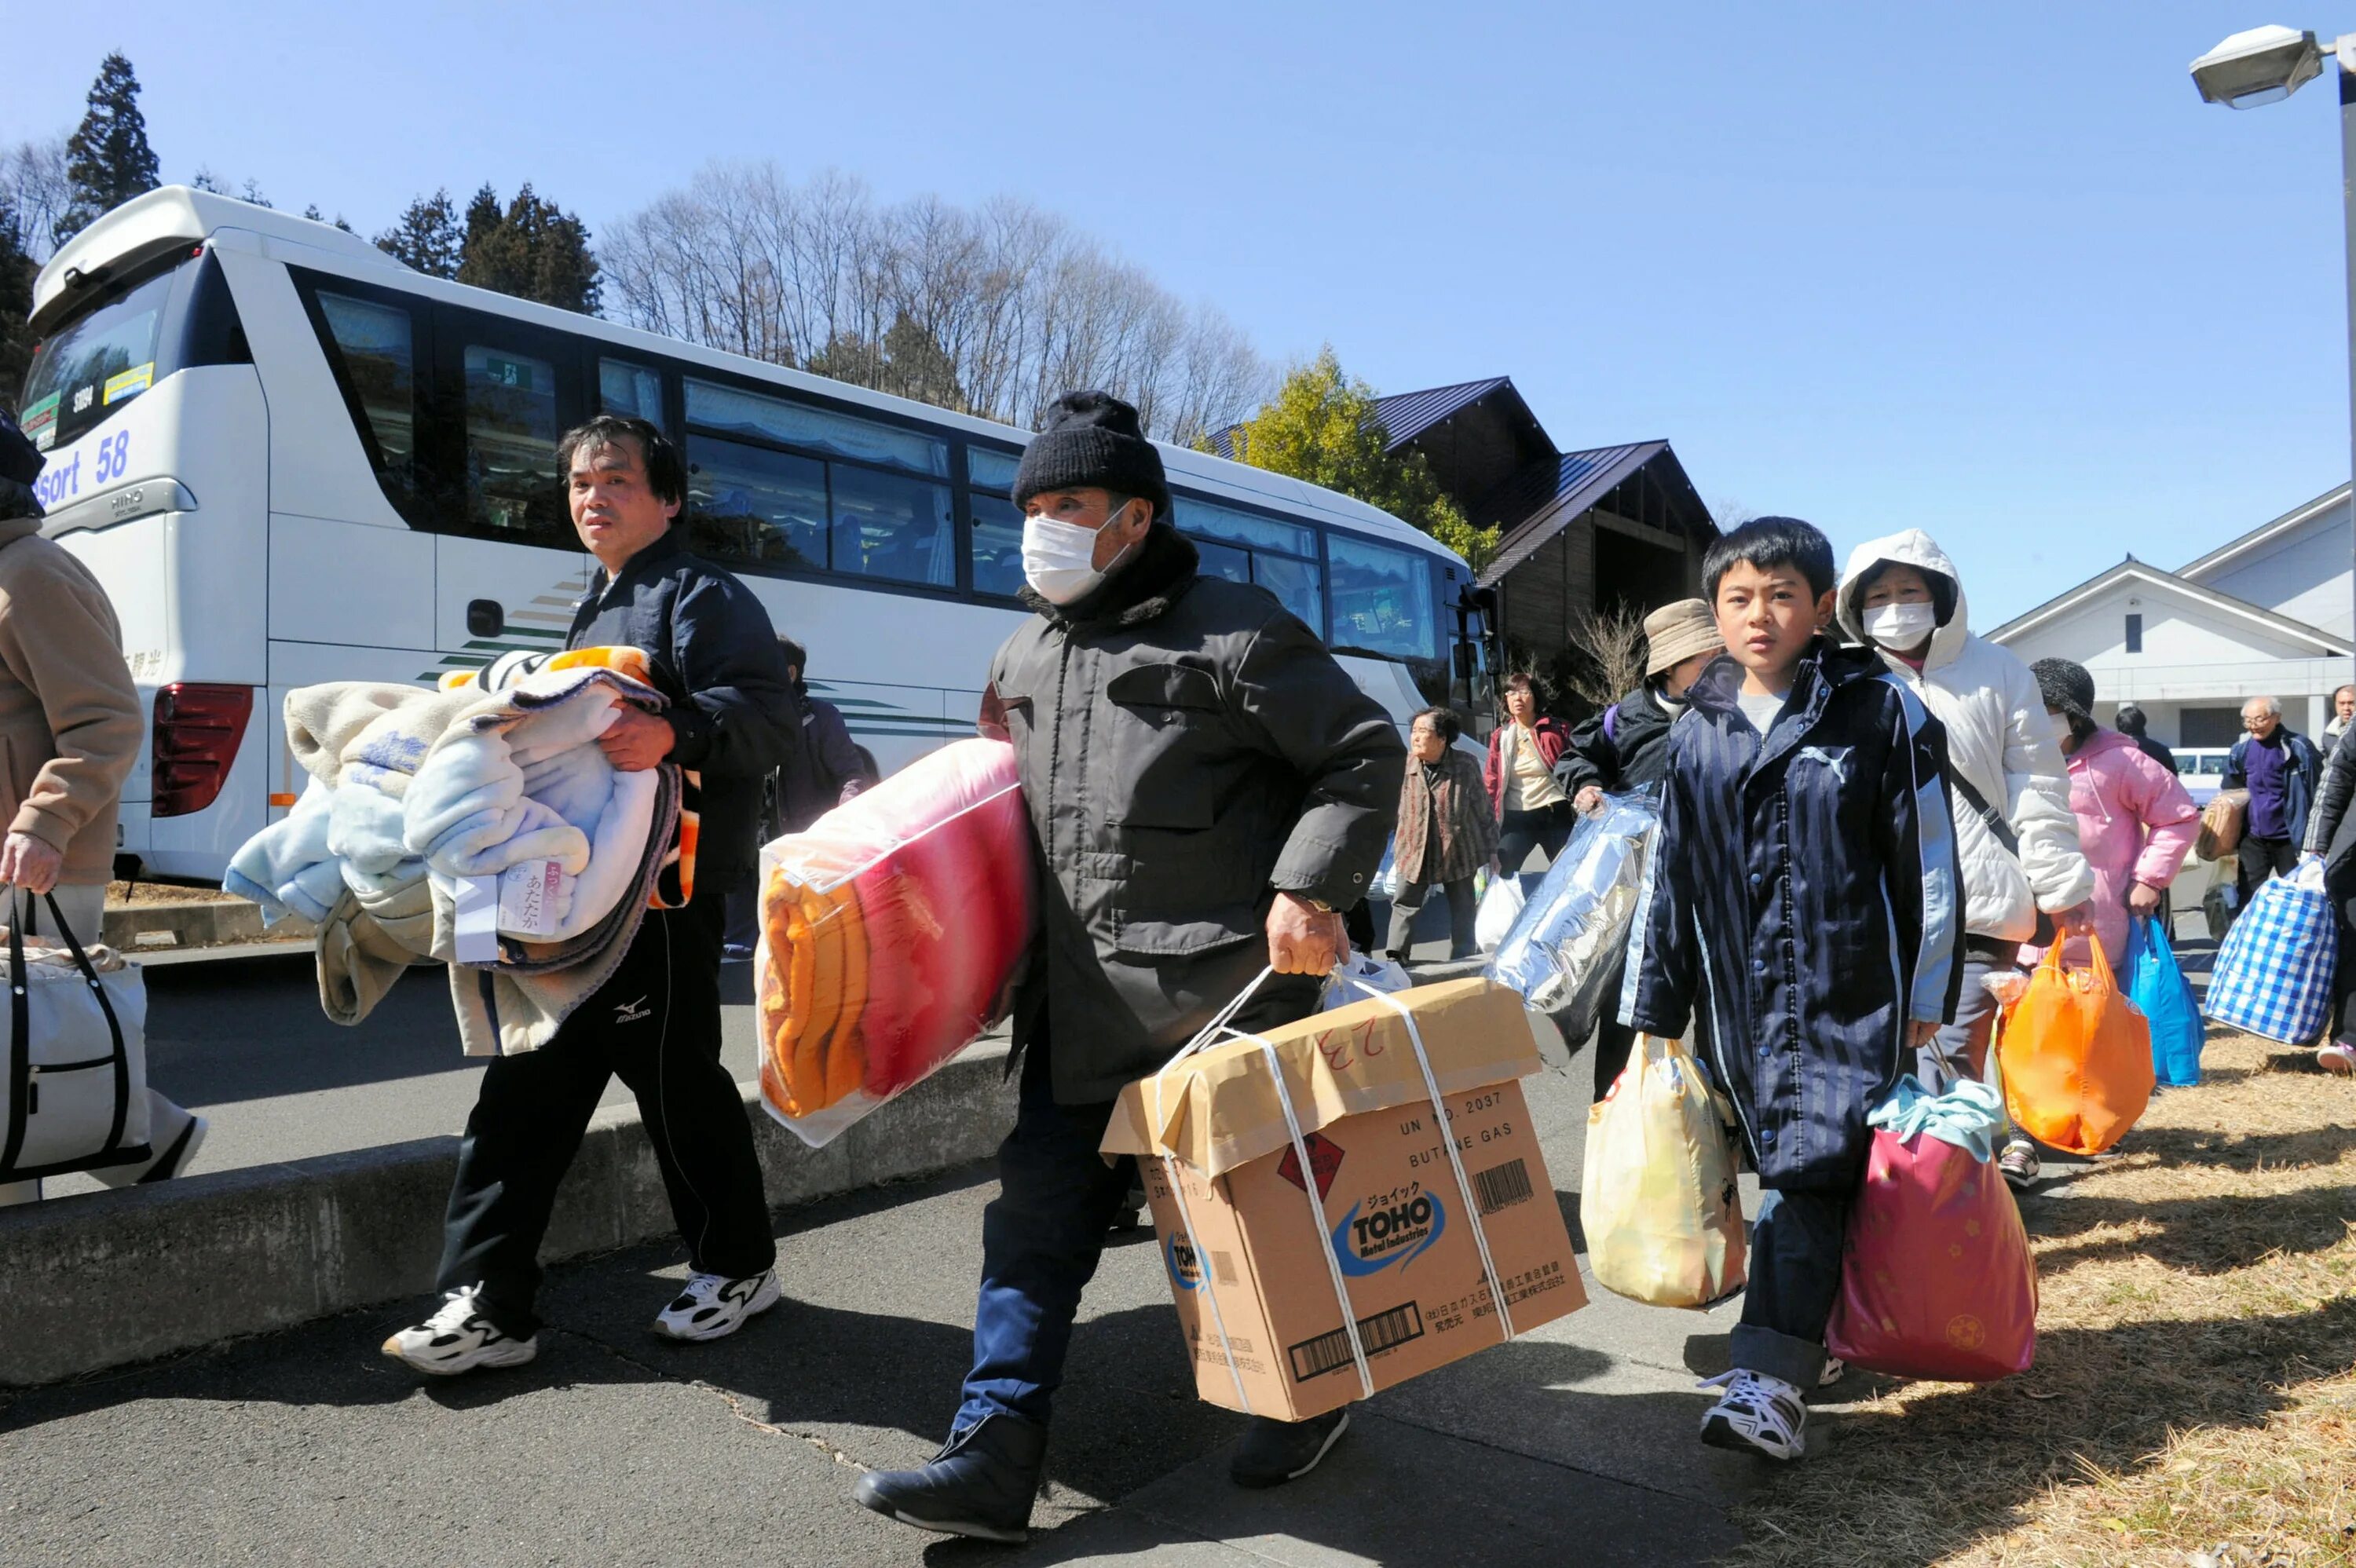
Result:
[[2065, 686], [1093, 439], [20, 460]]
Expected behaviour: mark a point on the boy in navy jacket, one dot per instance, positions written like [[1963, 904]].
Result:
[[1801, 913]]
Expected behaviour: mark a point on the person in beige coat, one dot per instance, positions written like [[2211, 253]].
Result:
[[70, 732]]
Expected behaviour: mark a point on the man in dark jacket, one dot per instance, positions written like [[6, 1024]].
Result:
[[2132, 723], [1206, 787], [1625, 746], [657, 1021], [1803, 913], [826, 770], [2280, 768]]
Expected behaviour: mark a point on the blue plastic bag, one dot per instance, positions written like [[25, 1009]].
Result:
[[2156, 986], [2274, 970]]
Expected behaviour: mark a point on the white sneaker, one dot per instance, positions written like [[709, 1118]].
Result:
[[1756, 1415], [713, 1306], [457, 1339], [2337, 1057], [1835, 1369]]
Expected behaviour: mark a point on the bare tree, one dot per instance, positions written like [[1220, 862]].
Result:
[[35, 186], [1728, 512], [1605, 660], [997, 310]]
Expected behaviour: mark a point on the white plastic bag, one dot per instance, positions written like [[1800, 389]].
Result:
[[1500, 907], [1357, 974]]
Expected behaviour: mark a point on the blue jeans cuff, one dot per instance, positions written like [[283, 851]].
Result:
[[1756, 1349]]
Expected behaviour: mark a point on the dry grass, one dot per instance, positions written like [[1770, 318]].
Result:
[[2195, 1385]]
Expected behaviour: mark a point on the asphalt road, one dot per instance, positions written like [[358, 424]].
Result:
[[1575, 1443]]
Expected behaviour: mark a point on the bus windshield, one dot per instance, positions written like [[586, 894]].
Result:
[[86, 369]]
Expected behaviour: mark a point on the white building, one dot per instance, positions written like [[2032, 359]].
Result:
[[2272, 613]]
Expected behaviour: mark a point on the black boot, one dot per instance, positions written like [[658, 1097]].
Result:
[[980, 1484], [1274, 1452]]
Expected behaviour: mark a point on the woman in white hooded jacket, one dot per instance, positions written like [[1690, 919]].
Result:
[[2008, 786]]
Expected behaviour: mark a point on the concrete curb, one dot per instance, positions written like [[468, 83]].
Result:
[[144, 928], [98, 1280]]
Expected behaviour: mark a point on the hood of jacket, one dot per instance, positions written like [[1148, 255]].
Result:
[[1997, 740], [1140, 590], [1917, 549]]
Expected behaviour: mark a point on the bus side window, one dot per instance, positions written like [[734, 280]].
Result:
[[374, 344], [511, 485], [631, 389]]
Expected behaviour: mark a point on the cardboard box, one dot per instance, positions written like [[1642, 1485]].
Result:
[[1386, 1206]]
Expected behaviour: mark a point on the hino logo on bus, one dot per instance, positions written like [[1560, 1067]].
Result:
[[1399, 1234]]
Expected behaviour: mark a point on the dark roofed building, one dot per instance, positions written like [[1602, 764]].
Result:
[[1611, 528]]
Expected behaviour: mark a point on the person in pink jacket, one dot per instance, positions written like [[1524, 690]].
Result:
[[2136, 824]]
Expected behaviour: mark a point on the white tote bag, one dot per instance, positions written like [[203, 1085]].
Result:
[[73, 1094], [1500, 907]]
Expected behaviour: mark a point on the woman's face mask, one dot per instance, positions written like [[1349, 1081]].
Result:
[[2062, 731], [1901, 626]]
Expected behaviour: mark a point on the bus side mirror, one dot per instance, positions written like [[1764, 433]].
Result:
[[1468, 661]]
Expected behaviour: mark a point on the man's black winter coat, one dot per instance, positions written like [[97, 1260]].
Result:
[[1187, 749], [733, 714]]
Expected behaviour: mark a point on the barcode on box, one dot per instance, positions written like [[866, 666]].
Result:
[[1222, 1267], [1501, 1186], [1331, 1352]]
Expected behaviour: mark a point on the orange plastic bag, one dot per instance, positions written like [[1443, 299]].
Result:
[[2076, 1056]]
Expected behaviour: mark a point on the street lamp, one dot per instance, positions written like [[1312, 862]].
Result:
[[2267, 65]]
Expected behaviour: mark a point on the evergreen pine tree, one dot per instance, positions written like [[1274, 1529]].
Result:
[[533, 250], [108, 158], [427, 238], [17, 274]]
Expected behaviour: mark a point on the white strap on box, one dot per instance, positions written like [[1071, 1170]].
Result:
[[1178, 1189], [1214, 1030], [1447, 1141]]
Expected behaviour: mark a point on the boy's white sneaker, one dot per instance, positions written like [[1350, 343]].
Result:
[[713, 1307], [2337, 1057], [1756, 1415], [457, 1339]]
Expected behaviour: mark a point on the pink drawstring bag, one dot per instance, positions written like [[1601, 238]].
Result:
[[1936, 1277]]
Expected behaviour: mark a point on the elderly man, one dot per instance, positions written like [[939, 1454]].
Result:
[[656, 1022], [1208, 788], [2279, 767], [70, 732]]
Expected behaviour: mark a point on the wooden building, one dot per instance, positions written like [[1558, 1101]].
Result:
[[1608, 527]]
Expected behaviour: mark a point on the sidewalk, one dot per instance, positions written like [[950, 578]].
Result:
[[1573, 1445]]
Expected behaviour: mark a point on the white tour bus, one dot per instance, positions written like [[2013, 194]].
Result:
[[292, 459]]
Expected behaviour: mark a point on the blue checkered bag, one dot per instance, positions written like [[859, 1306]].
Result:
[[2274, 972]]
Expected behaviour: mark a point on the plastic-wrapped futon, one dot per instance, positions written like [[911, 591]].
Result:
[[1561, 953], [893, 931]]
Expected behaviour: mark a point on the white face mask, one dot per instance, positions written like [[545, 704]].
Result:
[[2061, 722], [1059, 559], [1901, 626]]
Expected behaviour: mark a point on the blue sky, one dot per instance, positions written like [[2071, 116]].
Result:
[[1993, 271]]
